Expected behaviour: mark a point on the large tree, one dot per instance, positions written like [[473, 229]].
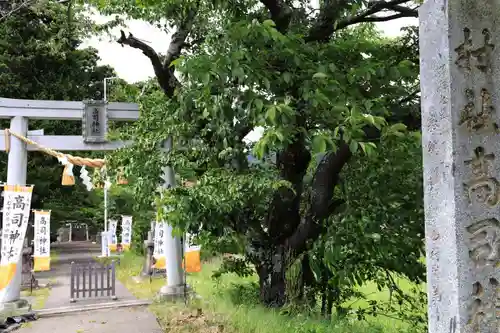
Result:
[[321, 82]]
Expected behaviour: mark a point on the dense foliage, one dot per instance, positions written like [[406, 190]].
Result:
[[41, 58], [336, 188]]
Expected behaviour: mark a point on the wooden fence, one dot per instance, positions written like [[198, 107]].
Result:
[[92, 280]]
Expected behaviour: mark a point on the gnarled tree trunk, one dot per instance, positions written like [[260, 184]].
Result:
[[272, 280]]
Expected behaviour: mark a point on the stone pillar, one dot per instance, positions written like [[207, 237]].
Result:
[[28, 279], [148, 259], [17, 165], [60, 235], [460, 81], [175, 285]]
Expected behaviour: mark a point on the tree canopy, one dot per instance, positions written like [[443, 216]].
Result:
[[41, 58], [337, 103]]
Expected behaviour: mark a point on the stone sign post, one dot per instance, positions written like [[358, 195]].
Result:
[[460, 84], [147, 268]]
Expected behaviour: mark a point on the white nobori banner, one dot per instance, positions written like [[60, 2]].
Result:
[[42, 241], [126, 232], [112, 240], [16, 213], [159, 245]]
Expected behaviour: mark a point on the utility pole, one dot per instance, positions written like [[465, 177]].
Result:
[[176, 284], [106, 79], [107, 184]]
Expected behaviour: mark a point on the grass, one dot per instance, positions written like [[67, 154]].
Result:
[[54, 256], [39, 297], [229, 305]]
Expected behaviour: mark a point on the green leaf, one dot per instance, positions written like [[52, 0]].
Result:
[[370, 119], [258, 104], [320, 75], [368, 105], [353, 146], [279, 135], [394, 73], [271, 113], [319, 144], [205, 114], [266, 83], [340, 109], [175, 62], [206, 78], [238, 73], [399, 127], [351, 78], [406, 63], [269, 23], [287, 77], [368, 148], [260, 148], [336, 132]]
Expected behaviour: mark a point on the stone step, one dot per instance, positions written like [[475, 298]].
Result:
[[90, 307]]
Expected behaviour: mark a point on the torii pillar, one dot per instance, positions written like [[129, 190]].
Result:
[[16, 174]]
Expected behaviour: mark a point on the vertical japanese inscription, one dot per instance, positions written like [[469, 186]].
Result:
[[483, 117], [95, 124], [464, 51], [483, 54], [94, 121], [484, 239], [484, 308], [43, 240], [476, 116], [482, 189]]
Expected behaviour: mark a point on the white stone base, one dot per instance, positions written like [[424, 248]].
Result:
[[14, 309], [174, 293]]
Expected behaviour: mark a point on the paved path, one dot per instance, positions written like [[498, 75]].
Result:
[[123, 320], [119, 320]]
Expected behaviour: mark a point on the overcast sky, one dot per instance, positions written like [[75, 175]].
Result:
[[132, 65]]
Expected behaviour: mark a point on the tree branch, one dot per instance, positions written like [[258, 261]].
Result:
[[375, 19], [325, 179], [402, 9], [148, 51], [411, 96], [322, 204], [281, 13], [178, 39], [376, 7], [323, 28], [165, 77], [164, 71]]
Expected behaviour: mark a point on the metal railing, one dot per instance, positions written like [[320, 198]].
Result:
[[93, 280]]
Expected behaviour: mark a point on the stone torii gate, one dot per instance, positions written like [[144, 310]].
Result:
[[94, 116]]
